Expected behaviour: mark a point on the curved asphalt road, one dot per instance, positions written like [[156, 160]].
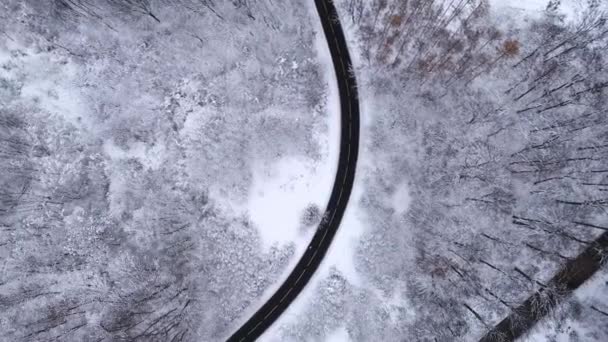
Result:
[[349, 149]]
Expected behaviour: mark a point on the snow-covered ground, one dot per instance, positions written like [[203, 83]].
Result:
[[282, 190], [570, 9], [528, 7]]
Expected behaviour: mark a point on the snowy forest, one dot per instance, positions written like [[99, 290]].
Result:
[[127, 132], [130, 132], [496, 122]]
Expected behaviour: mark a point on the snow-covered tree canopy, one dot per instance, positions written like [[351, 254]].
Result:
[[128, 130]]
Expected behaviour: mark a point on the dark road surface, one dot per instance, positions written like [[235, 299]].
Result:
[[349, 149], [574, 274]]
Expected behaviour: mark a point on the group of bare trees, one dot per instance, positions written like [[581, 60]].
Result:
[[101, 11]]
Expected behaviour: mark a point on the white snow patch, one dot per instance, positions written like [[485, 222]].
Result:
[[282, 191], [48, 79], [535, 9], [339, 335], [279, 195], [341, 253], [51, 82], [400, 201]]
